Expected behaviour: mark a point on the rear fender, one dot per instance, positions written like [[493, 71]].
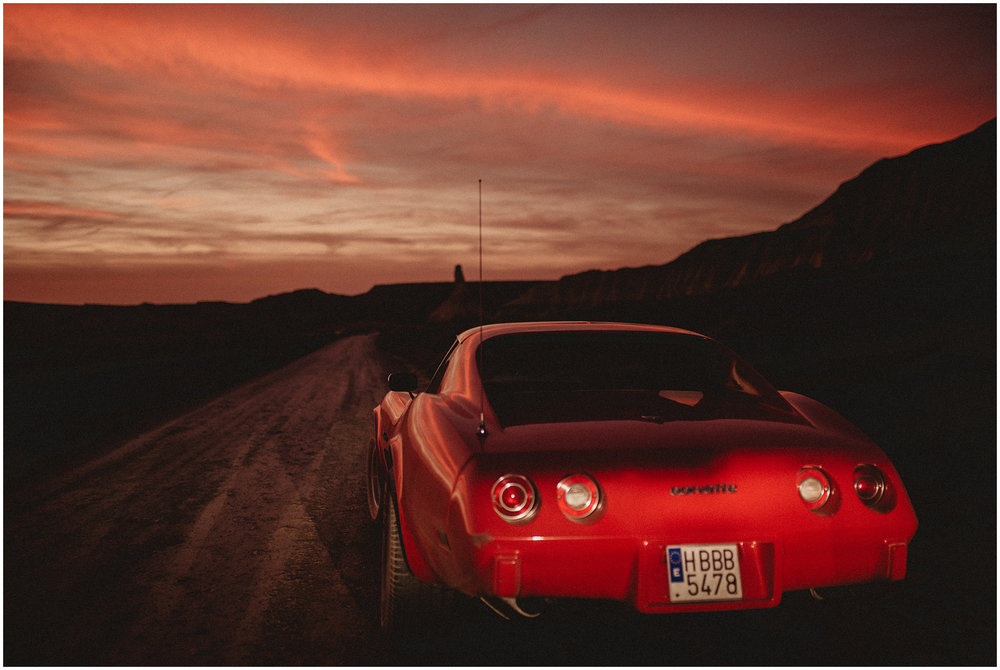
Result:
[[426, 454]]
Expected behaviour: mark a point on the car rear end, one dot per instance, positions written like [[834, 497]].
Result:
[[684, 528], [654, 466]]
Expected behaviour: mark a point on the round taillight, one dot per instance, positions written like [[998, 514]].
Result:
[[814, 487], [869, 488], [514, 498], [578, 497], [872, 488]]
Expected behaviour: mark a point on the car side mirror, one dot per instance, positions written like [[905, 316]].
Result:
[[405, 382]]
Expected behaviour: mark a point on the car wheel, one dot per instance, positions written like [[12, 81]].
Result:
[[376, 482], [406, 603]]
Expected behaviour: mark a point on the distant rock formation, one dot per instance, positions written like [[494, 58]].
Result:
[[938, 197], [461, 305]]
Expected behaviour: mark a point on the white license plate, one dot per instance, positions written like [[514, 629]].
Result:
[[704, 572]]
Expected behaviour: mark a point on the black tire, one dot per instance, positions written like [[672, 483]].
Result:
[[407, 606], [375, 483]]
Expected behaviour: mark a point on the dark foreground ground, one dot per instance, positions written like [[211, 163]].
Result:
[[238, 534]]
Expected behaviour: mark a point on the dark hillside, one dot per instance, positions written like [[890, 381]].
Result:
[[939, 199], [78, 378]]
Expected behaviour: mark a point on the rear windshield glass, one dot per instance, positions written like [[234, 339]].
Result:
[[602, 376]]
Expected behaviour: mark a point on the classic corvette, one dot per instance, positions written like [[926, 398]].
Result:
[[644, 464]]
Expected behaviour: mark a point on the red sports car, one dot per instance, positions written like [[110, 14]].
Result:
[[644, 464]]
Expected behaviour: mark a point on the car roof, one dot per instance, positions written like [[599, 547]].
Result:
[[494, 329]]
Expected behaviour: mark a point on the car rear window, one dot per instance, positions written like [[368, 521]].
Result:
[[601, 376]]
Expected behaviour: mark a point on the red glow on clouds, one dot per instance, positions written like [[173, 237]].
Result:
[[173, 153]]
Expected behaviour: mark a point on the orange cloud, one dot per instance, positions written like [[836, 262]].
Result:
[[48, 210], [208, 44]]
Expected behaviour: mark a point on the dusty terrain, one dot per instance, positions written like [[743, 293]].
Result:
[[207, 540], [237, 534]]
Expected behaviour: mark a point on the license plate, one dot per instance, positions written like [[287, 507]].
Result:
[[704, 572]]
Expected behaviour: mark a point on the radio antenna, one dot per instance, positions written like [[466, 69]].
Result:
[[481, 431], [480, 257]]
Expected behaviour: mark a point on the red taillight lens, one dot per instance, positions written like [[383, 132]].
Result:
[[579, 497], [814, 487], [872, 487], [514, 498], [869, 488]]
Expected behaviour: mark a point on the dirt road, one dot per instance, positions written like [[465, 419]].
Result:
[[235, 534]]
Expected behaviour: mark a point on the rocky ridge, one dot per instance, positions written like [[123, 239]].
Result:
[[937, 199]]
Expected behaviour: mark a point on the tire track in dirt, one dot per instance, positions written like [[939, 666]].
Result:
[[235, 534]]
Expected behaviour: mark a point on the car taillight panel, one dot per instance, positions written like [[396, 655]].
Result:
[[515, 498], [579, 498], [815, 489], [873, 488]]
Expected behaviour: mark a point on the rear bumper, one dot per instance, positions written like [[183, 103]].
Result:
[[635, 570]]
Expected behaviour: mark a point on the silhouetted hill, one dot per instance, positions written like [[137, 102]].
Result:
[[937, 200], [81, 377]]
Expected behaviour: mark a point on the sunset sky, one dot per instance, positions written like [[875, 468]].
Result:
[[177, 153]]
